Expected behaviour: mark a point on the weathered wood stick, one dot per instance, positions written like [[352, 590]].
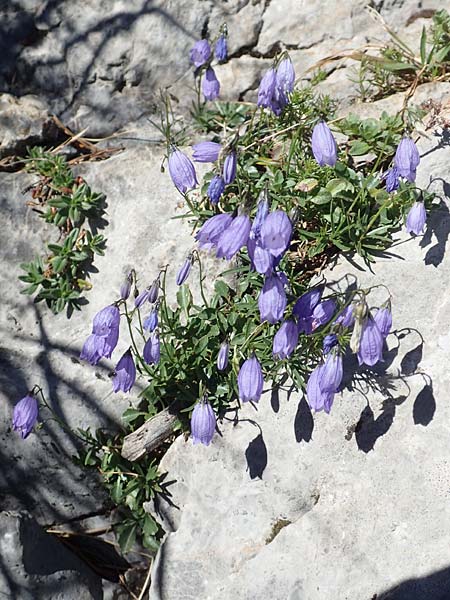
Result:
[[149, 435]]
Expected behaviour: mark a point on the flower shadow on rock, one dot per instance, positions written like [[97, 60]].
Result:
[[256, 456], [303, 422], [438, 223]]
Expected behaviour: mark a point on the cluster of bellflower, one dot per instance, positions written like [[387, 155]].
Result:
[[201, 56]]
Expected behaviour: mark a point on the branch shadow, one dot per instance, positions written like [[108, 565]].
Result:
[[435, 586]]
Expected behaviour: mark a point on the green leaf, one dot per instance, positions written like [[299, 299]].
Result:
[[126, 535], [221, 288], [423, 46], [184, 298], [358, 148]]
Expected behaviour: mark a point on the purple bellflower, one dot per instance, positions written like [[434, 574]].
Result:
[[331, 375], [276, 232], [267, 89], [261, 259], [151, 322], [153, 291], [383, 318], [184, 270], [392, 181], [200, 53], [182, 171], [347, 317], [106, 320], [285, 340], [206, 152], [261, 213], [203, 423], [104, 337], [416, 219], [250, 380], [210, 85], [318, 399], [324, 145], [221, 48], [124, 373], [25, 415], [272, 299], [125, 288], [209, 233], [407, 158], [304, 308], [285, 76], [329, 342], [323, 313], [370, 343], [152, 349], [141, 298], [234, 237], [222, 357], [215, 189], [229, 167]]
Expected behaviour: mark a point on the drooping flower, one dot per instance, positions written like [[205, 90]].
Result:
[[125, 288], [25, 415], [276, 232], [383, 318], [104, 337], [233, 237], [370, 344], [304, 308], [267, 89], [215, 188], [152, 349], [209, 233], [346, 318], [221, 49], [272, 299], [285, 76], [416, 219], [261, 259], [93, 349], [331, 374], [153, 291], [203, 423], [407, 158], [392, 181], [317, 399], [222, 357], [229, 167], [200, 52], [329, 342], [210, 85], [182, 171], [206, 152], [151, 322], [106, 320], [185, 269], [322, 313], [324, 145], [261, 213], [124, 373], [285, 340], [250, 380]]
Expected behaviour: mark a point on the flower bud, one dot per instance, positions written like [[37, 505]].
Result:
[[125, 288], [329, 342], [383, 319], [203, 423], [25, 415], [267, 89], [182, 171], [229, 167], [416, 219], [206, 152], [184, 270], [285, 340], [324, 145], [215, 189], [222, 357], [124, 373], [153, 291], [370, 344], [151, 322], [151, 351], [221, 49], [210, 85], [272, 299], [250, 380]]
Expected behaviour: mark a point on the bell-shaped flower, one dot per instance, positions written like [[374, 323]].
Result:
[[182, 171], [267, 89], [322, 313], [285, 76], [416, 219], [104, 337], [221, 48], [347, 317], [229, 167], [276, 232], [209, 233], [234, 237], [203, 423], [210, 84], [215, 188], [383, 318], [285, 340], [392, 179], [206, 152], [250, 380], [152, 349], [318, 399], [200, 53], [407, 158], [184, 270], [125, 288], [324, 145], [272, 299], [303, 308], [124, 373], [261, 213], [25, 415], [106, 320], [222, 357], [329, 342], [370, 343], [331, 374], [151, 322], [261, 259]]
